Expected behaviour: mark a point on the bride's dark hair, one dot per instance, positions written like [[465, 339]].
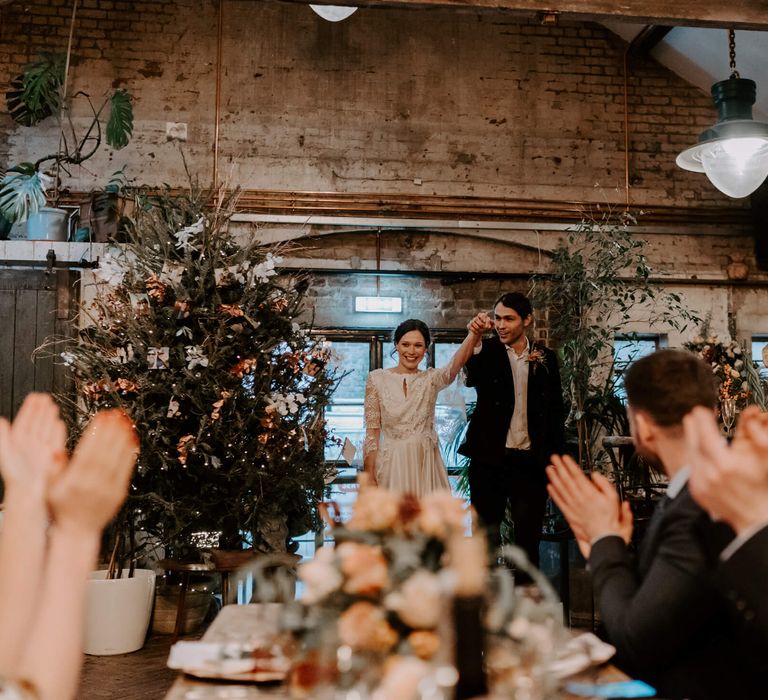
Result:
[[412, 324]]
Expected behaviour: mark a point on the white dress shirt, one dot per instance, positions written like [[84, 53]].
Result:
[[517, 435]]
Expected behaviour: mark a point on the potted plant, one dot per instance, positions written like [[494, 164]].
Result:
[[198, 337], [40, 93]]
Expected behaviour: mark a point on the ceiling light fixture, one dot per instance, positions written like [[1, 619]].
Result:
[[333, 13], [734, 152]]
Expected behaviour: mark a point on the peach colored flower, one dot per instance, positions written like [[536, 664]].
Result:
[[320, 576], [418, 602], [441, 514], [375, 510], [364, 568], [402, 675], [424, 643], [364, 626]]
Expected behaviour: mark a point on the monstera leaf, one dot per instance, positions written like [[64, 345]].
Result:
[[120, 124], [22, 192], [36, 93]]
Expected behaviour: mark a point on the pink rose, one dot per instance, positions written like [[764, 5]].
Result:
[[364, 626], [419, 601], [364, 568], [321, 576], [375, 510], [442, 514]]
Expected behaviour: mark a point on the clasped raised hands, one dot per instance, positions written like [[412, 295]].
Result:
[[480, 324]]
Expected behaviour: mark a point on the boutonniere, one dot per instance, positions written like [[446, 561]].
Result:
[[537, 358]]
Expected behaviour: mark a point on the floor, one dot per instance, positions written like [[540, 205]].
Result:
[[141, 675]]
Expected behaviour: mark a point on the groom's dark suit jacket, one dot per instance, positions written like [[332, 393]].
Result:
[[670, 624], [743, 578], [490, 373]]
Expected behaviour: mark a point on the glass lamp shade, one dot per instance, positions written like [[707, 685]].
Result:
[[734, 152], [736, 165], [333, 13]]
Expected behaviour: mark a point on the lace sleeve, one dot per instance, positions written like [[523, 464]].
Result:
[[443, 376], [372, 410]]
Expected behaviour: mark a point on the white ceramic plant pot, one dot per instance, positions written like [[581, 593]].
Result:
[[118, 612], [48, 224]]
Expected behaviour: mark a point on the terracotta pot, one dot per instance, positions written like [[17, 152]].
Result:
[[231, 559], [196, 606]]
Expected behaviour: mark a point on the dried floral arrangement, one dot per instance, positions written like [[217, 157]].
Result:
[[196, 334]]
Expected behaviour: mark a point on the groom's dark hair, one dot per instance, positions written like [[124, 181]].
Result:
[[669, 384], [517, 301]]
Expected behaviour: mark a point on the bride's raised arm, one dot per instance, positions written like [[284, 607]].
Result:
[[480, 324]]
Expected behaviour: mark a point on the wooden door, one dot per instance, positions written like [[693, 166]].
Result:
[[34, 305]]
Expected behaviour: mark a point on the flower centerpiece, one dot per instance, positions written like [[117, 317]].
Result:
[[737, 375], [380, 593], [376, 607]]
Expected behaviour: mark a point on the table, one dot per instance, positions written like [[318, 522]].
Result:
[[237, 622]]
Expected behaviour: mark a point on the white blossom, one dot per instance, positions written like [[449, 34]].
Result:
[[266, 269], [184, 236], [68, 358], [195, 357], [286, 403]]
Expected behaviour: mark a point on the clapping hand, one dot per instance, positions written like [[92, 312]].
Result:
[[591, 507], [33, 449], [94, 485], [729, 481], [480, 324]]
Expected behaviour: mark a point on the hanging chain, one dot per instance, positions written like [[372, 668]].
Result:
[[732, 53]]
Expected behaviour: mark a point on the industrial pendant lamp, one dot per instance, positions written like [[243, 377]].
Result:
[[333, 13], [734, 152]]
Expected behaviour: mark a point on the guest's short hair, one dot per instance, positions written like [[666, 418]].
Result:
[[412, 324], [669, 384], [517, 301]]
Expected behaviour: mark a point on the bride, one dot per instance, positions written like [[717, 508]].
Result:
[[401, 452]]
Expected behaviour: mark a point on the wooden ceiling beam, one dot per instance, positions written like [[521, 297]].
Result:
[[737, 14]]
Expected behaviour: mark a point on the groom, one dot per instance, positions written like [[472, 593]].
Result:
[[517, 424]]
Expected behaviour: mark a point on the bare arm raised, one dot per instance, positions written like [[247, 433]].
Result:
[[32, 452], [82, 499], [479, 325]]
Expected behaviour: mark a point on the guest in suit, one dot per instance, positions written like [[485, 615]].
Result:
[[516, 426], [663, 613], [731, 483]]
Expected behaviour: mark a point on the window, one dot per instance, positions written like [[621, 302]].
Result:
[[759, 347], [627, 349]]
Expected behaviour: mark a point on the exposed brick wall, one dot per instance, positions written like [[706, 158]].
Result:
[[466, 103]]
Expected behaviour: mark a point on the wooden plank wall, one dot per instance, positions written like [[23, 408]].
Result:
[[34, 305]]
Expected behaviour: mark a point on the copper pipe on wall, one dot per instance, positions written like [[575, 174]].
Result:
[[217, 116], [626, 123]]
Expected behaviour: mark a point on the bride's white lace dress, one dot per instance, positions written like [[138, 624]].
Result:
[[400, 426]]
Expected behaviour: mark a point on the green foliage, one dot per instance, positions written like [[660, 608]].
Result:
[[120, 122], [599, 282], [195, 335], [37, 92], [44, 93], [22, 192]]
